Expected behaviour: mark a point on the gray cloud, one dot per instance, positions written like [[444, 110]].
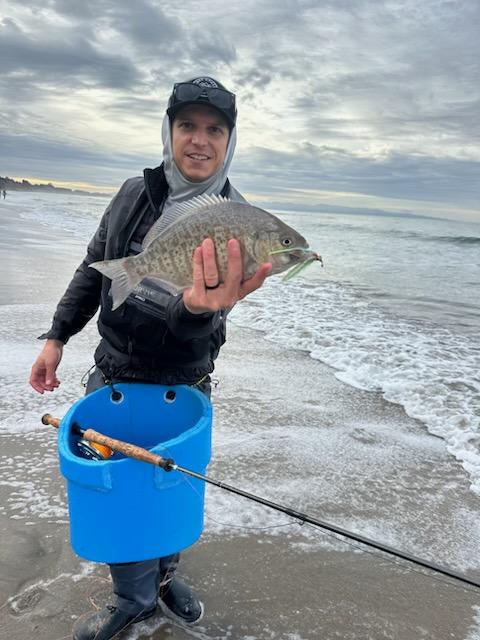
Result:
[[379, 98], [61, 56], [146, 26], [81, 163], [211, 47], [276, 174], [411, 65], [328, 169]]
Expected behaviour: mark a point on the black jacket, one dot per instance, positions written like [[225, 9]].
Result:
[[160, 342]]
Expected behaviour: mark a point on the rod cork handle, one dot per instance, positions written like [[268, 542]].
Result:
[[49, 419], [128, 449]]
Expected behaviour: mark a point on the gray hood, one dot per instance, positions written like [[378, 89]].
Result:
[[181, 189]]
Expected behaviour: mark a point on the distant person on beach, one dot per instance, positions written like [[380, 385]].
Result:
[[4, 193], [160, 338]]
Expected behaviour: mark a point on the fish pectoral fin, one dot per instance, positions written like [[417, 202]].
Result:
[[250, 266], [123, 276]]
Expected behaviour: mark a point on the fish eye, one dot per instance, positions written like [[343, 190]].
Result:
[[286, 242]]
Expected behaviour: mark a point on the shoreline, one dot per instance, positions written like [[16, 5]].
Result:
[[286, 429]]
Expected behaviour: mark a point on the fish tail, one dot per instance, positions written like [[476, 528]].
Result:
[[123, 275]]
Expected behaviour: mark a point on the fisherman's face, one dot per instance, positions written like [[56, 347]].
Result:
[[199, 141]]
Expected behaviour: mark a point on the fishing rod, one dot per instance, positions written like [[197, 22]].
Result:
[[168, 464]]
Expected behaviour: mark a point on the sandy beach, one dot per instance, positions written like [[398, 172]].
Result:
[[285, 428]]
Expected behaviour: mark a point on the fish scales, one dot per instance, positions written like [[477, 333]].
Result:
[[171, 253]]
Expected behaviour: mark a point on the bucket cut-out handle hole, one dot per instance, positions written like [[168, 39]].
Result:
[[116, 397], [170, 395]]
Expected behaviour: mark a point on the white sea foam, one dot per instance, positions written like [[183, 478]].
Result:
[[77, 215], [474, 633], [21, 407], [430, 370], [27, 478]]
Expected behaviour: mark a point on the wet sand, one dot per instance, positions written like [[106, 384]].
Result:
[[286, 429]]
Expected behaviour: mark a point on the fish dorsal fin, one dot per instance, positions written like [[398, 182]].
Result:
[[199, 202], [181, 209]]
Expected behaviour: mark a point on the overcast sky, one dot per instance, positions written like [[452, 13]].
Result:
[[368, 104]]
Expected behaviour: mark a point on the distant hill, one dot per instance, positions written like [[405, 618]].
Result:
[[13, 185]]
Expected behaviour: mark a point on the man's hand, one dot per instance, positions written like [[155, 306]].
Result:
[[43, 377], [207, 294]]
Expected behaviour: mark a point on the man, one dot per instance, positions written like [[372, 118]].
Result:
[[153, 336]]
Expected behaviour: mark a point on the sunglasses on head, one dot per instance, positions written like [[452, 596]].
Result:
[[188, 91]]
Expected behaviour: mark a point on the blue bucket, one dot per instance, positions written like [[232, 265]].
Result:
[[124, 510]]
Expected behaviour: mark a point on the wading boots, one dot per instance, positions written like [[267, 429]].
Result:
[[176, 600]]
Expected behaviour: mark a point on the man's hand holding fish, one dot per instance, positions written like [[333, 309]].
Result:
[[207, 292]]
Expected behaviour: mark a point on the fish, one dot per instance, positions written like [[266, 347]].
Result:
[[166, 255]]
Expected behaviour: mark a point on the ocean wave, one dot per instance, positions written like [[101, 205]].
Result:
[[425, 233], [458, 240], [432, 371]]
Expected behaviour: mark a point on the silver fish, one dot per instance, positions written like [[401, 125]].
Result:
[[167, 255]]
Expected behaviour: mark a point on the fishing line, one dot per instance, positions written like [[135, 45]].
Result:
[[343, 539], [337, 531], [325, 525], [86, 375], [363, 549], [186, 479], [168, 464]]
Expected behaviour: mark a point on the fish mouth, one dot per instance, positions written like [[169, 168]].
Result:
[[313, 257], [304, 254], [305, 258]]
